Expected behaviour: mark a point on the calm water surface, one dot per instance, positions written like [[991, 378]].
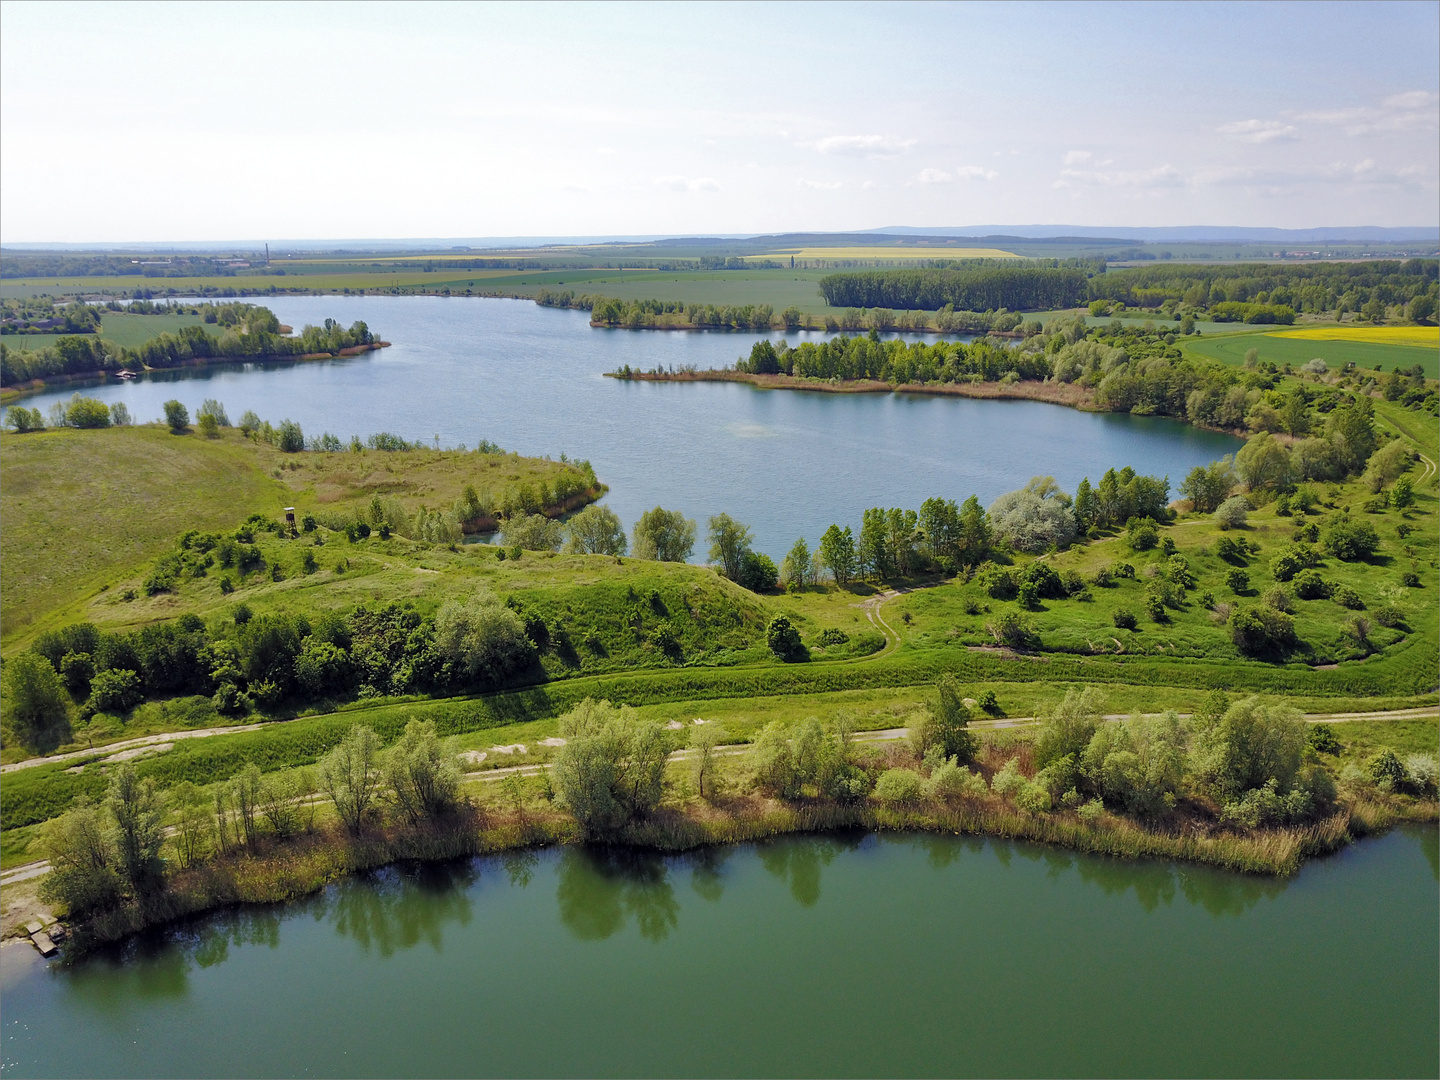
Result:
[[787, 464], [864, 956]]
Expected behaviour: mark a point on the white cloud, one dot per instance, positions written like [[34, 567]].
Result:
[[1078, 157], [862, 145], [681, 183], [1407, 111], [868, 185], [975, 172], [820, 185], [1259, 131], [1160, 176], [934, 176]]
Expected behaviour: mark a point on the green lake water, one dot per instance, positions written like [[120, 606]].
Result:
[[853, 956]]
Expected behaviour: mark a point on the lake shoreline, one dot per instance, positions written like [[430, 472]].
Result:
[[25, 389], [287, 871], [1068, 394]]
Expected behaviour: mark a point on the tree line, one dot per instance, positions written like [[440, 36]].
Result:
[[1316, 287], [1024, 288], [246, 331]]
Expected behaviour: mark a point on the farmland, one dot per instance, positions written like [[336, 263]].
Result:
[[1298, 347]]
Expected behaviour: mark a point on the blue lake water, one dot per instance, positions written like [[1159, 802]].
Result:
[[787, 464], [888, 955]]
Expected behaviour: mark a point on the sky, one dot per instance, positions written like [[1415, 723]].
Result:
[[189, 122]]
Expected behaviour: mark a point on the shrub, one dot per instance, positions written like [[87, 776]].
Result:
[[1014, 631], [1322, 739], [899, 787], [1347, 597], [1309, 585], [988, 702], [1350, 540], [783, 638], [1009, 779], [1141, 534], [951, 781], [177, 416], [1424, 772], [115, 691], [1260, 630], [999, 582], [1033, 798], [1276, 597], [1387, 770], [1125, 620], [1155, 607], [1233, 512], [834, 636], [1390, 615]]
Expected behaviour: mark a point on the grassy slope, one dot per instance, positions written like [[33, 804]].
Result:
[[86, 509], [81, 507]]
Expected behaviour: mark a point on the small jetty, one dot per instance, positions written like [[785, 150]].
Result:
[[45, 936]]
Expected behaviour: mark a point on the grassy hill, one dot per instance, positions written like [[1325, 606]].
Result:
[[84, 511]]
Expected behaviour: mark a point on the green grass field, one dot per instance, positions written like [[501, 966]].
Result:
[[125, 330], [82, 507], [88, 509], [1296, 351]]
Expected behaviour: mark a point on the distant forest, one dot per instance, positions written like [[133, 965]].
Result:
[[987, 289]]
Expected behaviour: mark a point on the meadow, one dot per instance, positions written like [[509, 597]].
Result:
[[84, 509], [1299, 347]]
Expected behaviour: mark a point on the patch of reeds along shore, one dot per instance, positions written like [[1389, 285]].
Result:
[[279, 871]]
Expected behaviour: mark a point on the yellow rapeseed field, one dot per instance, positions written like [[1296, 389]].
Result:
[[1372, 335]]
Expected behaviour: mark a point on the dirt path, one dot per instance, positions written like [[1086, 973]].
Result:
[[130, 744]]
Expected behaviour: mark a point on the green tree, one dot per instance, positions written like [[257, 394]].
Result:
[[191, 811], [783, 638], [703, 740], [83, 412], [1207, 486], [424, 780], [1069, 728], [1351, 430], [873, 552], [837, 551], [1263, 462], [35, 708], [139, 825], [596, 530], [612, 766], [533, 532], [350, 775], [952, 721], [729, 543], [1250, 744], [976, 536], [208, 427], [940, 524], [1087, 507], [177, 416], [482, 639], [664, 535], [797, 568], [81, 848]]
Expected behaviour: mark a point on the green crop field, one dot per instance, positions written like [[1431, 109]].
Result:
[[123, 329], [1282, 350]]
